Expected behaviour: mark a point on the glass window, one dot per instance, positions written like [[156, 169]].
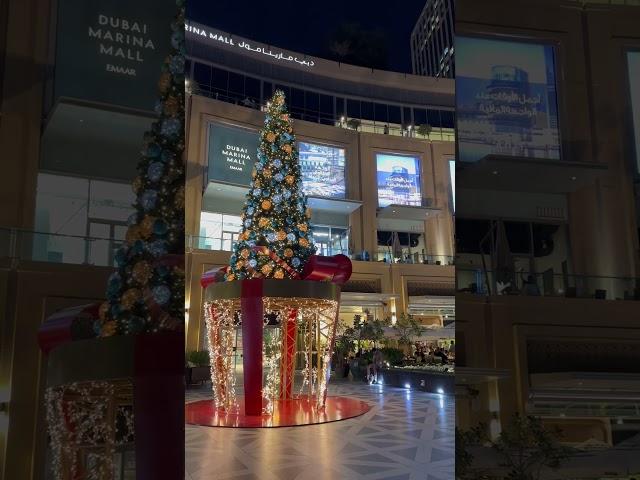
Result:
[[447, 117], [220, 80], [394, 114], [252, 88], [353, 108], [311, 102], [340, 107], [321, 238], [236, 83], [339, 241], [110, 201], [406, 113], [633, 61], [367, 111], [433, 118], [419, 116], [202, 75], [296, 102], [267, 91], [326, 105], [219, 231], [381, 113]]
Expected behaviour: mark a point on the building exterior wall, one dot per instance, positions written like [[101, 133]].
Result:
[[432, 40], [361, 185]]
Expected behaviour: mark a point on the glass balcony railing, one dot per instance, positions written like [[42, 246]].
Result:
[[415, 258], [23, 245], [361, 125], [548, 284]]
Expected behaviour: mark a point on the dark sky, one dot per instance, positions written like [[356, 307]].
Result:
[[304, 25]]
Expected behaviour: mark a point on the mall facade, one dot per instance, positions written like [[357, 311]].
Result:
[[547, 219], [359, 135]]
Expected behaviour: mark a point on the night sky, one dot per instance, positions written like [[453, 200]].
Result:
[[304, 26]]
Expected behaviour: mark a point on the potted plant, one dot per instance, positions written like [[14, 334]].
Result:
[[353, 123], [197, 368], [424, 129]]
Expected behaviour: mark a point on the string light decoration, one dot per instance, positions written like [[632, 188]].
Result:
[[220, 319], [87, 422], [317, 322], [276, 240], [145, 294]]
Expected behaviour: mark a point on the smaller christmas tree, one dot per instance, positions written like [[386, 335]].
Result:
[[276, 238]]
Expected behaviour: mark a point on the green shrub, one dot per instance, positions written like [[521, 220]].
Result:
[[198, 358], [392, 355]]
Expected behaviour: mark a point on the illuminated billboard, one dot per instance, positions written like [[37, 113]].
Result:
[[232, 153], [322, 169], [506, 99], [398, 180], [633, 59]]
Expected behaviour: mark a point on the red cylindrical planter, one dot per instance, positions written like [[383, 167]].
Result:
[[252, 323]]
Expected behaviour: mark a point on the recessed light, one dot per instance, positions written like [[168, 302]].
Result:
[[393, 211], [573, 178], [495, 172]]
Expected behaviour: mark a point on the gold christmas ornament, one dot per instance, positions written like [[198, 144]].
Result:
[[288, 253], [266, 204], [136, 185], [287, 148], [142, 272], [302, 227], [103, 311], [231, 277], [271, 137], [281, 235], [146, 226], [165, 82], [279, 100], [244, 253], [253, 173], [130, 297], [171, 106], [266, 269], [108, 329], [257, 183], [278, 273], [289, 179], [267, 173], [304, 242], [178, 200], [263, 222], [239, 264], [133, 233], [289, 129]]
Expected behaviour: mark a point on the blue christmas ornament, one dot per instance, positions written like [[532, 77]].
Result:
[[291, 237], [277, 163], [161, 294], [163, 271], [259, 166], [247, 223], [137, 247], [250, 210], [155, 171], [295, 262], [153, 150], [133, 219], [278, 177], [177, 38], [166, 156], [158, 107], [277, 198], [158, 248], [286, 194], [148, 199], [170, 127], [160, 227], [271, 237], [176, 65], [253, 263], [135, 324], [116, 310], [121, 255]]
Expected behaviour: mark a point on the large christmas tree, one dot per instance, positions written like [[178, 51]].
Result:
[[146, 292], [276, 238]]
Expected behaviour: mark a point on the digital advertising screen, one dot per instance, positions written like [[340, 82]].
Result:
[[506, 99], [232, 153], [398, 180], [322, 168], [633, 59]]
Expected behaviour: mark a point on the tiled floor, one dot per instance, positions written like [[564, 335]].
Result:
[[407, 435]]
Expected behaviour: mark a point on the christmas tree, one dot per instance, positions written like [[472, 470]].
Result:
[[276, 238], [146, 292]]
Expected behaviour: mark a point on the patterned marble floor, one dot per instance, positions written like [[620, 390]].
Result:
[[407, 435]]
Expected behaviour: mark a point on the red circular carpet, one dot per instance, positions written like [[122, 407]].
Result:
[[286, 413]]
